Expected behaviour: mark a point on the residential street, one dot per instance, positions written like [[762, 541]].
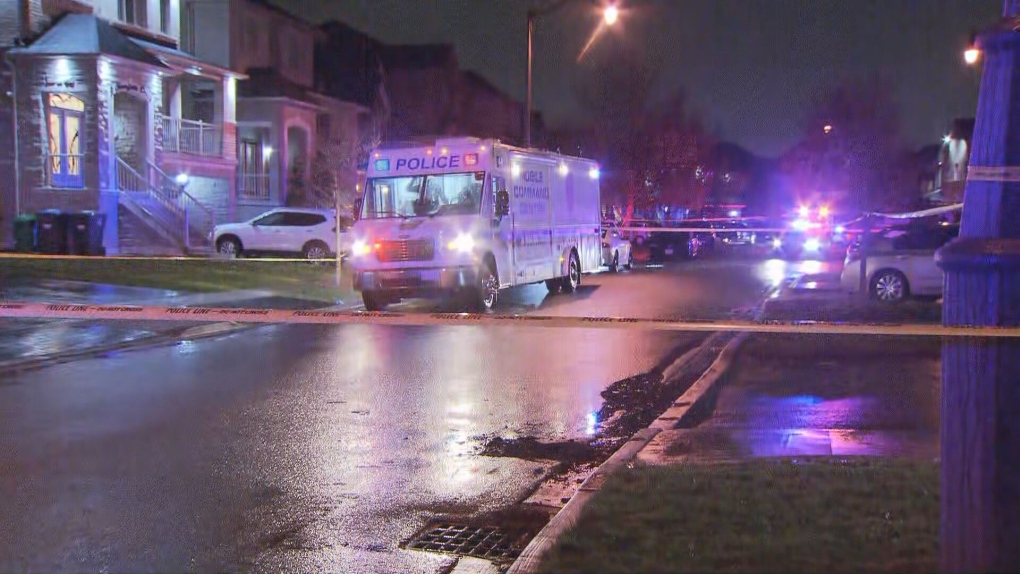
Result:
[[320, 448]]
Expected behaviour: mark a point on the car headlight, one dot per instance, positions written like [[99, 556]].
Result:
[[464, 243], [777, 243], [361, 248], [812, 244]]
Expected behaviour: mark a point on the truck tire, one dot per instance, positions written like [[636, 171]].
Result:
[[485, 294], [572, 281], [374, 302], [553, 285]]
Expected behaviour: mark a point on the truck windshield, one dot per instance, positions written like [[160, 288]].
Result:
[[431, 195]]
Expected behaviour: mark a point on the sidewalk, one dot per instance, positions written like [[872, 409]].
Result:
[[816, 454], [31, 341]]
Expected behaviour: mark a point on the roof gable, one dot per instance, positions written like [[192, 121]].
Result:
[[85, 34]]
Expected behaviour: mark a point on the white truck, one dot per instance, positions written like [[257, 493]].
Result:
[[469, 217]]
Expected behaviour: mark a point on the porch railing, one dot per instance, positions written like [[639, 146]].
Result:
[[253, 186], [199, 218], [192, 137], [165, 205]]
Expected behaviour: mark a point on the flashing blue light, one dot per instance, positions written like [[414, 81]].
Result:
[[382, 164]]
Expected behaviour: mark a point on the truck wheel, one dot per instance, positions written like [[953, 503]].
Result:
[[615, 265], [486, 293], [374, 302], [572, 281]]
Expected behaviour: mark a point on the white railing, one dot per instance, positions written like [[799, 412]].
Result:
[[253, 186], [166, 205], [192, 137]]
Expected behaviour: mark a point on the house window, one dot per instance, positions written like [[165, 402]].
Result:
[[65, 116], [132, 11], [164, 16], [323, 126]]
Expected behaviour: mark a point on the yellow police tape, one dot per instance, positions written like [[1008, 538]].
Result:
[[214, 258], [152, 313]]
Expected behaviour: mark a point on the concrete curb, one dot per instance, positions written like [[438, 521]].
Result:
[[683, 409], [206, 331]]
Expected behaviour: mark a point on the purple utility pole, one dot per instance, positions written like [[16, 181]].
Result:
[[980, 436]]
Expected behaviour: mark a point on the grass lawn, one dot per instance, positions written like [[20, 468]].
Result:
[[843, 308], [291, 279], [767, 515]]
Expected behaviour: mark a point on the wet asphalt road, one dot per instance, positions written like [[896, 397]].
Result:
[[317, 448]]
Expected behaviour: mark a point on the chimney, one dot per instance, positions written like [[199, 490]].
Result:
[[25, 19]]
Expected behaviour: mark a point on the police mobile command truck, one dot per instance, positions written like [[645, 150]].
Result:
[[469, 217]]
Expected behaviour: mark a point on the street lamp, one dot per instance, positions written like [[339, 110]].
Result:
[[972, 53], [610, 14]]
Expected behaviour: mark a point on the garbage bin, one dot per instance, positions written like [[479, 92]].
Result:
[[85, 233], [24, 233], [52, 232]]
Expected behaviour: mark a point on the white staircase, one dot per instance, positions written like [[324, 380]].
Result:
[[165, 208]]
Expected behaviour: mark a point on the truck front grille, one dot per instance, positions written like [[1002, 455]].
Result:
[[405, 250]]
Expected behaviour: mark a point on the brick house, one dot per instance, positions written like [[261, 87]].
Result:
[[284, 123], [106, 108]]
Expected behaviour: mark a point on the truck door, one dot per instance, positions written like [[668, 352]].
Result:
[[502, 236]]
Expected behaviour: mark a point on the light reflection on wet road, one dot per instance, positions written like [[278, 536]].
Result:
[[315, 447]]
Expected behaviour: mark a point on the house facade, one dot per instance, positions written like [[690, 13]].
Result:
[[108, 113], [168, 116], [295, 140]]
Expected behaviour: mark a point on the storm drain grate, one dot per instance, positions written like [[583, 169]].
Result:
[[488, 542]]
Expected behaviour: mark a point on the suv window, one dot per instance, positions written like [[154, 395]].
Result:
[[275, 218], [299, 219], [930, 238]]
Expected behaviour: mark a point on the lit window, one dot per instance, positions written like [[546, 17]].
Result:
[[65, 115], [132, 12]]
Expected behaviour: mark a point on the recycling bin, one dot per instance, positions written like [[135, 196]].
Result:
[[52, 232], [24, 233], [85, 233]]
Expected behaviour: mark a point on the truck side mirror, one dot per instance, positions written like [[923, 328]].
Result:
[[357, 208], [502, 203]]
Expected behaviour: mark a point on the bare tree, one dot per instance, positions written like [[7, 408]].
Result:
[[852, 146]]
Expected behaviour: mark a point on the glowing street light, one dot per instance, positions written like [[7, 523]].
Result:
[[610, 15], [972, 54]]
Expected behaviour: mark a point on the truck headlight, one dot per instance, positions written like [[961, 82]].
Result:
[[361, 248], [812, 244], [777, 243], [464, 243]]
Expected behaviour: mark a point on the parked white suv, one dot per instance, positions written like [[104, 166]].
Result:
[[282, 231]]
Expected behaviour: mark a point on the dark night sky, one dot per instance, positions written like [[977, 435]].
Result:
[[749, 66]]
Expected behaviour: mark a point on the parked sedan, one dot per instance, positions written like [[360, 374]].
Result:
[[900, 263], [615, 249], [287, 231]]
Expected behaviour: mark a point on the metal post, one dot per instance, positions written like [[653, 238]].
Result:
[[336, 227], [980, 416], [187, 228], [527, 110], [862, 291]]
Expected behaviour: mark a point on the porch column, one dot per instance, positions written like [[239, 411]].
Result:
[[174, 99], [980, 434], [229, 137], [109, 193]]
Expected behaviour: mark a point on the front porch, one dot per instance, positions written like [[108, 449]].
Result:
[[105, 133]]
